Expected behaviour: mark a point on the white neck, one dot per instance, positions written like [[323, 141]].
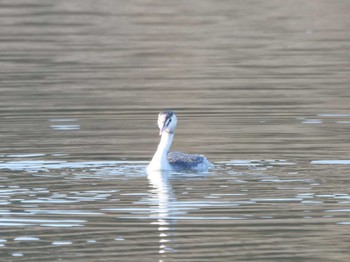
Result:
[[159, 160]]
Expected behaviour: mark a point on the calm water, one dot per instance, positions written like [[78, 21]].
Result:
[[260, 87]]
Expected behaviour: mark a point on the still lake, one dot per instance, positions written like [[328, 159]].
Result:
[[262, 88]]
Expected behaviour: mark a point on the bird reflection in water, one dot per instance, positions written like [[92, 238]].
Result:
[[161, 196]]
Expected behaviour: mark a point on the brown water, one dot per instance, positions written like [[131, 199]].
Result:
[[260, 87]]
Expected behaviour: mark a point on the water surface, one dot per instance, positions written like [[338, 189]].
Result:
[[260, 88]]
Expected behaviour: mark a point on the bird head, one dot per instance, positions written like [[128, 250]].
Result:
[[167, 122]]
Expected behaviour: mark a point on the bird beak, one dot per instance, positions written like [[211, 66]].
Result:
[[166, 123]]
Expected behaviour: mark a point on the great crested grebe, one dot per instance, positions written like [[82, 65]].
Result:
[[174, 161]]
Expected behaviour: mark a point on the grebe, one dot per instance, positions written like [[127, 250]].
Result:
[[174, 161]]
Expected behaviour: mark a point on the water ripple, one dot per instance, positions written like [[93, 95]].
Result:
[[330, 162]]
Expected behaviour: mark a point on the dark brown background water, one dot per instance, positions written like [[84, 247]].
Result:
[[260, 87]]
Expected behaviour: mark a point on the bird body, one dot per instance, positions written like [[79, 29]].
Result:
[[188, 162], [174, 161]]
